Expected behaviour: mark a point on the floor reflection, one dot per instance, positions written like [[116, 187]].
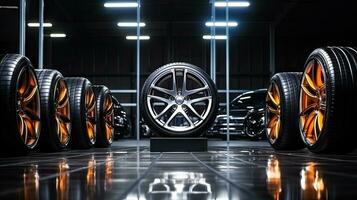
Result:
[[249, 173]]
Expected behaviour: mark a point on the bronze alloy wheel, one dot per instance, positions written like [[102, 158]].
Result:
[[108, 117], [312, 101], [28, 107], [63, 115], [90, 104], [273, 112]]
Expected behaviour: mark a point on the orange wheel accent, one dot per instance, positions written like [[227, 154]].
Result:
[[273, 112], [90, 114], [108, 117], [63, 116], [312, 102], [28, 107]]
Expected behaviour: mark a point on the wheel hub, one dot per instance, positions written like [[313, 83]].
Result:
[[179, 99]]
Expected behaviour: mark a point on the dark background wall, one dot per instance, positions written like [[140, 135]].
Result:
[[95, 48]]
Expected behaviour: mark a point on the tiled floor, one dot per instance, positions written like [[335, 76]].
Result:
[[246, 170]]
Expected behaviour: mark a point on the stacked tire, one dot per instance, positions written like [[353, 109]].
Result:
[[44, 110], [317, 109]]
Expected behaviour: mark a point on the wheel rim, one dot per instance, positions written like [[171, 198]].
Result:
[[273, 112], [108, 117], [90, 114], [63, 118], [175, 102], [312, 102], [28, 107]]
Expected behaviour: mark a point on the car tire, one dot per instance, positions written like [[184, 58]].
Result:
[[55, 110], [282, 112], [180, 114], [105, 116], [328, 100], [83, 113], [21, 114]]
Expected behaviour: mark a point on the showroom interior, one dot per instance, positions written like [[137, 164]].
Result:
[[178, 99]]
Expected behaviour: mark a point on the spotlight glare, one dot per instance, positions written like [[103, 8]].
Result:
[[216, 37], [134, 37], [58, 35], [221, 24], [232, 4], [34, 24], [121, 5], [131, 24]]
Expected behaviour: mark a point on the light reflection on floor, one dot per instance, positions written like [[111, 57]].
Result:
[[240, 172]]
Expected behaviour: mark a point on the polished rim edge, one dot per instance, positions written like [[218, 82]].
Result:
[[62, 109], [28, 107], [90, 104], [273, 112], [312, 102], [182, 109]]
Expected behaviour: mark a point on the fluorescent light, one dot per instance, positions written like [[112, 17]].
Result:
[[121, 5], [221, 24], [232, 4], [38, 24], [216, 37], [57, 35], [131, 24], [134, 37]]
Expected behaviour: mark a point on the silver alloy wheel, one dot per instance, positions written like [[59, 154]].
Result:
[[179, 98]]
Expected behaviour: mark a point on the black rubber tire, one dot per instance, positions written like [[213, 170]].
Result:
[[10, 68], [289, 137], [101, 92], [48, 79], [79, 137], [340, 67], [197, 131]]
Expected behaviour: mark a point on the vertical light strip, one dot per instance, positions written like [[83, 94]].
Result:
[[121, 4], [138, 74], [40, 35], [227, 75], [22, 39]]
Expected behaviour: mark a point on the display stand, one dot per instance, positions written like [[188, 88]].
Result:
[[161, 144]]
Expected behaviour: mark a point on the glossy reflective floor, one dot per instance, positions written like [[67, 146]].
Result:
[[246, 170]]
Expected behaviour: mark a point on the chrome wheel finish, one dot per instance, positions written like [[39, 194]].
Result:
[[28, 107], [63, 116], [179, 99], [273, 112], [312, 102], [90, 114]]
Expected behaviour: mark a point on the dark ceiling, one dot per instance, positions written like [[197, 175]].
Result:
[[186, 17]]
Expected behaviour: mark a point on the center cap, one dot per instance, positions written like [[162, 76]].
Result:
[[179, 99]]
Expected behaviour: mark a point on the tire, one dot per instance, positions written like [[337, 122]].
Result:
[[176, 118], [83, 113], [105, 116], [282, 112], [21, 114], [328, 100], [55, 110]]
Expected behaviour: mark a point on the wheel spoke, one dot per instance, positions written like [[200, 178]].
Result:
[[174, 85], [197, 90], [63, 103], [184, 87], [23, 85], [308, 109], [164, 90], [192, 101], [171, 117], [273, 110], [308, 122], [277, 128], [194, 111], [164, 111], [320, 118], [310, 82], [29, 95], [31, 113], [272, 122], [22, 125], [316, 135], [62, 117], [187, 117], [30, 127], [272, 99], [308, 92], [162, 99]]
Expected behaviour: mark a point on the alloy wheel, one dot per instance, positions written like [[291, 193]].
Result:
[[63, 118], [90, 114], [273, 112]]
